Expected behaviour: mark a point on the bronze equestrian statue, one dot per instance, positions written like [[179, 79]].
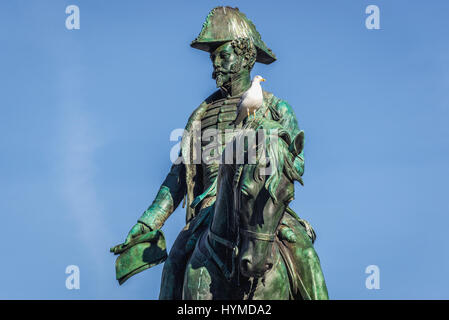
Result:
[[241, 239]]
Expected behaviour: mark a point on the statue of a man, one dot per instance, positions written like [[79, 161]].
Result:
[[234, 46]]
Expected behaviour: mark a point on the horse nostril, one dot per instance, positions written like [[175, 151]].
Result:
[[269, 266], [245, 265]]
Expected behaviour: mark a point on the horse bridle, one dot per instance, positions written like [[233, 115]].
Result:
[[233, 246], [258, 235]]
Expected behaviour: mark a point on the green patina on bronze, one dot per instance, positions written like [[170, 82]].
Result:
[[143, 252], [241, 239], [225, 24]]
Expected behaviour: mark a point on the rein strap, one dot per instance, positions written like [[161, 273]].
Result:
[[258, 235]]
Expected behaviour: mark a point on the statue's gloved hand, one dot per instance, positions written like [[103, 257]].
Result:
[[137, 230], [310, 232], [286, 233]]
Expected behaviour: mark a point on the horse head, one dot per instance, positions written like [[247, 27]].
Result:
[[262, 190]]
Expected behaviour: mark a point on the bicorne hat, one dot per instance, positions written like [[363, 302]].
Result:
[[225, 24]]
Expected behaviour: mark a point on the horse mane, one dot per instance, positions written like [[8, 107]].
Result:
[[277, 155]]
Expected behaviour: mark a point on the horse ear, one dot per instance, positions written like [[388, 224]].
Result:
[[297, 145]]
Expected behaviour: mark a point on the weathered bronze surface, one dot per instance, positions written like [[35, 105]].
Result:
[[241, 239], [143, 252]]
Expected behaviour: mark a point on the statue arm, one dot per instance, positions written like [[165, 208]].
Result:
[[174, 188], [169, 196], [167, 199], [288, 120]]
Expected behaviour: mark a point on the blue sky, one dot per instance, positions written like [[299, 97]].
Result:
[[86, 117]]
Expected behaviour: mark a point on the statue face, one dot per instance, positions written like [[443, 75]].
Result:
[[226, 63]]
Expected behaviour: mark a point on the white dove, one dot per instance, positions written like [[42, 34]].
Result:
[[251, 100]]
